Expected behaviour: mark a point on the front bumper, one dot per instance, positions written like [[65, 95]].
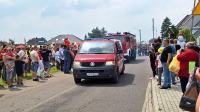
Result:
[[104, 72]]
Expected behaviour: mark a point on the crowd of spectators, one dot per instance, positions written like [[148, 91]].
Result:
[[163, 55], [16, 61]]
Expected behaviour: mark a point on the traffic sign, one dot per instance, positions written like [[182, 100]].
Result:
[[196, 10]]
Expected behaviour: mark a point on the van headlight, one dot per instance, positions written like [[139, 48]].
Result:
[[76, 64], [110, 63]]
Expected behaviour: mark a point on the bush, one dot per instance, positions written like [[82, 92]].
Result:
[[187, 35]]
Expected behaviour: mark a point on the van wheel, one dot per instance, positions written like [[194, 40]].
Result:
[[115, 78], [77, 80]]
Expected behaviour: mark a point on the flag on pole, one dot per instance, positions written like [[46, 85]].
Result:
[[196, 10]]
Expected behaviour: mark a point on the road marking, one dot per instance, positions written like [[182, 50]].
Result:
[[47, 100]]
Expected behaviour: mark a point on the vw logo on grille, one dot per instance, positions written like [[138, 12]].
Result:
[[92, 64]]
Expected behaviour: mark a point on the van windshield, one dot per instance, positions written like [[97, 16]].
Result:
[[97, 48]]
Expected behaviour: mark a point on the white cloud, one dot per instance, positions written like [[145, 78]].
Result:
[[7, 2], [80, 16]]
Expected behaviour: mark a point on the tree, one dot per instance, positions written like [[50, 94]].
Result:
[[11, 41], [173, 32], [165, 27], [97, 33], [187, 34], [103, 32]]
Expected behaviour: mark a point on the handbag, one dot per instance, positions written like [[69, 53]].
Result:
[[189, 98], [174, 65]]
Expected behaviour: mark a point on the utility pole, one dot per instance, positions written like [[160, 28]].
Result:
[[192, 21], [24, 41], [140, 32], [156, 33], [153, 27]]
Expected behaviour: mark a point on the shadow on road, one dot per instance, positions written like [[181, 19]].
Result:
[[137, 61], [124, 80], [2, 88], [1, 95]]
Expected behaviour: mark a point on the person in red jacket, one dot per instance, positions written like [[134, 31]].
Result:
[[189, 55]]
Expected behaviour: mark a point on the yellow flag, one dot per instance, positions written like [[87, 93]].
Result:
[[196, 10]]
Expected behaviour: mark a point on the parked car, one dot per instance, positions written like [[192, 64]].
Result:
[[99, 59]]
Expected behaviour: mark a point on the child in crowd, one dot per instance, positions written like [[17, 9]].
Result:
[[160, 68]]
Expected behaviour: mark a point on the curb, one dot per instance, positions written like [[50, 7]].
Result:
[[146, 100], [154, 97], [161, 100], [148, 103]]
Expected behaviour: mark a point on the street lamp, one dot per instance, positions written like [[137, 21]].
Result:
[[140, 33], [153, 27]]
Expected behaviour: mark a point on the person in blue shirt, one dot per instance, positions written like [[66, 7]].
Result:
[[67, 60], [173, 48]]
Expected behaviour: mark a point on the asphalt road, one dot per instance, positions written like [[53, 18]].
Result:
[[101, 96], [60, 94]]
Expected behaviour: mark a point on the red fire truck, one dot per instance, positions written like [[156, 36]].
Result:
[[129, 45]]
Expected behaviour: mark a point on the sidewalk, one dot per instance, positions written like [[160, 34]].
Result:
[[29, 84], [158, 100]]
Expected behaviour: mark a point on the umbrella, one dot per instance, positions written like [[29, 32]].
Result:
[[20, 47]]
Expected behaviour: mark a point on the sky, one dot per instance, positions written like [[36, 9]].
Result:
[[21, 19]]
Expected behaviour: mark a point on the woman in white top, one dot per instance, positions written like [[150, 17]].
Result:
[[57, 58]]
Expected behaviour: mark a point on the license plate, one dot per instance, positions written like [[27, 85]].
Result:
[[92, 74]]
